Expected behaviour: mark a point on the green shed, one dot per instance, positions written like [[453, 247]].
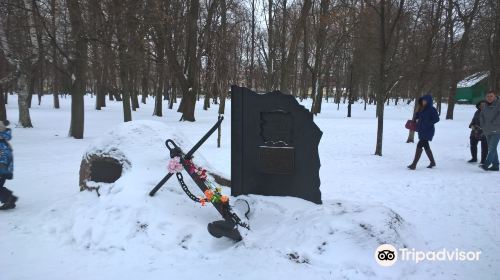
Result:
[[473, 88]]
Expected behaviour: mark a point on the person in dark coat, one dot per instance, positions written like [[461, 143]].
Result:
[[425, 117], [477, 135], [490, 123], [7, 198]]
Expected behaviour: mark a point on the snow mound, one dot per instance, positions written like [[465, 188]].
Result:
[[321, 235], [134, 141], [336, 236], [139, 145]]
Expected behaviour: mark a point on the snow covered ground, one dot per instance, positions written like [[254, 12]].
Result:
[[58, 232]]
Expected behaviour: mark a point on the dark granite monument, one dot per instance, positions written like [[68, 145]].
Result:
[[274, 146]]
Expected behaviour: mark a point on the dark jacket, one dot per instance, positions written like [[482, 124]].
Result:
[[490, 118], [426, 118], [6, 158], [475, 124]]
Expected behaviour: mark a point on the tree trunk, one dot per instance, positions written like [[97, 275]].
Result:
[[221, 78], [55, 74], [304, 86], [160, 66], [252, 49], [124, 77], [173, 96], [317, 93], [24, 112], [270, 47], [187, 105], [350, 92], [292, 49], [189, 85], [380, 128], [79, 69], [209, 75], [3, 111], [144, 79], [134, 98], [381, 79]]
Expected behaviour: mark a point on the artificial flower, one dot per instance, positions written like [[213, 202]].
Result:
[[209, 194], [174, 165]]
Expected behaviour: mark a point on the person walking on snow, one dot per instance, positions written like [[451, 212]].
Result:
[[425, 117], [490, 122], [477, 135], [6, 167]]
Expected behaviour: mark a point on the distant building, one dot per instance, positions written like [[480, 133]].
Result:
[[473, 88]]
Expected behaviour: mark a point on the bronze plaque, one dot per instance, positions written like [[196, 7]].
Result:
[[276, 160]]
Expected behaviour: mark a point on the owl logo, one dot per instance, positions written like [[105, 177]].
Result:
[[386, 255]]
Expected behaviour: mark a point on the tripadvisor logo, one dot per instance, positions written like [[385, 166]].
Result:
[[387, 255]]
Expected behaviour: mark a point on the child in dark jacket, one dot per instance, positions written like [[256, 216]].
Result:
[[6, 167], [477, 135], [426, 117]]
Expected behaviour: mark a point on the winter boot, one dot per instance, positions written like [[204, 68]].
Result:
[[224, 228], [429, 154], [484, 167], [473, 160], [418, 153], [10, 203]]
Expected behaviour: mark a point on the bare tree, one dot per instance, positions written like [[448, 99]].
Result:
[[78, 68], [317, 91], [188, 81], [375, 50], [466, 15], [387, 29]]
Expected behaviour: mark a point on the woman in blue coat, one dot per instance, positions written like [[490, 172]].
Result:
[[6, 167], [425, 117]]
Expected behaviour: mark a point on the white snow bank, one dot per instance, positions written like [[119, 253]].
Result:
[[335, 236]]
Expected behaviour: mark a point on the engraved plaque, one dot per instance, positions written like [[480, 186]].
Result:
[[276, 160], [276, 126]]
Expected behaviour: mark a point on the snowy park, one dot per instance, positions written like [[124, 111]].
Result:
[[249, 139], [58, 232]]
